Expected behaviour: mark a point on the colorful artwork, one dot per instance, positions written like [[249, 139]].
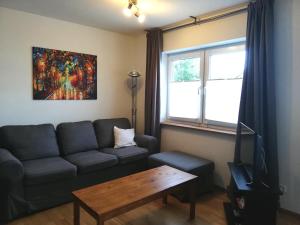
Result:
[[63, 75]]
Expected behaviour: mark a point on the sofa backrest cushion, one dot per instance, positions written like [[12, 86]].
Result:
[[76, 137], [105, 130], [27, 142]]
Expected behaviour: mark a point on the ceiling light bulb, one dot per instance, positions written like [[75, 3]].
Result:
[[141, 18], [127, 12]]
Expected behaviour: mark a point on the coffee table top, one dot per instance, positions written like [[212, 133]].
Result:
[[112, 197]]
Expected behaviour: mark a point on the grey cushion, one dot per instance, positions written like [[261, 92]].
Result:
[[30, 141], [182, 161], [105, 130], [76, 137], [91, 161], [127, 154], [41, 171]]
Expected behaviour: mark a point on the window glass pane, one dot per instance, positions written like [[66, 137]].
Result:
[[228, 65], [186, 70], [184, 100], [222, 100], [184, 88], [224, 84]]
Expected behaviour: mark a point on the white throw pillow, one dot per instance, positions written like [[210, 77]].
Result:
[[123, 137]]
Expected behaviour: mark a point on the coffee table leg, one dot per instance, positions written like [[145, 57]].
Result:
[[192, 201], [76, 213], [100, 221], [165, 199]]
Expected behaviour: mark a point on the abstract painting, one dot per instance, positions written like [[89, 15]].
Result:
[[63, 75]]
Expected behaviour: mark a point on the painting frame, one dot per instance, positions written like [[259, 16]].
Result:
[[63, 75]]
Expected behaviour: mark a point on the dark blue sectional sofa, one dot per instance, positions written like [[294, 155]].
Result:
[[41, 166]]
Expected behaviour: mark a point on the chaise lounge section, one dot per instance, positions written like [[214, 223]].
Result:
[[41, 166], [200, 167]]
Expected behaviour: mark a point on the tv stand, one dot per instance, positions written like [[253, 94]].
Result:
[[249, 205], [249, 172]]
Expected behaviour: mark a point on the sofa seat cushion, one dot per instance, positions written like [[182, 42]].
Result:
[[28, 142], [182, 161], [76, 137], [196, 165], [48, 170], [127, 154], [91, 161]]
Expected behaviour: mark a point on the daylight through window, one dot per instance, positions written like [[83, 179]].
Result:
[[205, 86]]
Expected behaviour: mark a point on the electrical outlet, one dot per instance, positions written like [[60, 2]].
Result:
[[283, 188]]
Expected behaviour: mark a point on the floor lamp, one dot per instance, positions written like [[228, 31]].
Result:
[[134, 77]]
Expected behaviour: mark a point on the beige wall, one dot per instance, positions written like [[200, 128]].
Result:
[[218, 31], [287, 67], [216, 147], [20, 31]]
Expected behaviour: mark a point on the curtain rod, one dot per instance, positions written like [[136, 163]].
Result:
[[209, 19]]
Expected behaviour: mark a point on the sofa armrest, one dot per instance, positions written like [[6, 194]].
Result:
[[11, 169], [149, 142], [12, 203]]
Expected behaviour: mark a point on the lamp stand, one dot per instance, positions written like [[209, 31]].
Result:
[[134, 82]]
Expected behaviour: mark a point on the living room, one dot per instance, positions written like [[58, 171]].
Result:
[[116, 59]]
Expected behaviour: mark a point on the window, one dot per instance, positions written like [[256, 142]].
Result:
[[184, 83], [205, 86]]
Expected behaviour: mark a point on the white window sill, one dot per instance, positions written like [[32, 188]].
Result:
[[219, 130]]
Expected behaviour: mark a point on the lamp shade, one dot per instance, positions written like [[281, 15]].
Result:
[[134, 74]]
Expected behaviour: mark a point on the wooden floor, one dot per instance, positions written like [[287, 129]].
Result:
[[209, 212]]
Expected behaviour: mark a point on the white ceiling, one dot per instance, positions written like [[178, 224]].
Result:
[[107, 14]]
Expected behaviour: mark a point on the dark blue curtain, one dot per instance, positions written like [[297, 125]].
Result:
[[152, 90], [257, 106]]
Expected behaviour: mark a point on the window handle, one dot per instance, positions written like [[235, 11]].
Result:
[[199, 90]]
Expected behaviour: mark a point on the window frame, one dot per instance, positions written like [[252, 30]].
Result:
[[180, 56], [209, 52], [204, 53]]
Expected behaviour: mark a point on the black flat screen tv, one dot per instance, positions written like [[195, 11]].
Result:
[[252, 156], [247, 149]]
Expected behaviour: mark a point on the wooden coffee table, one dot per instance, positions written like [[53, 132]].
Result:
[[107, 200]]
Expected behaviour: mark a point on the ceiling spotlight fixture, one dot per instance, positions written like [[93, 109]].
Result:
[[141, 18], [127, 12], [133, 9]]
